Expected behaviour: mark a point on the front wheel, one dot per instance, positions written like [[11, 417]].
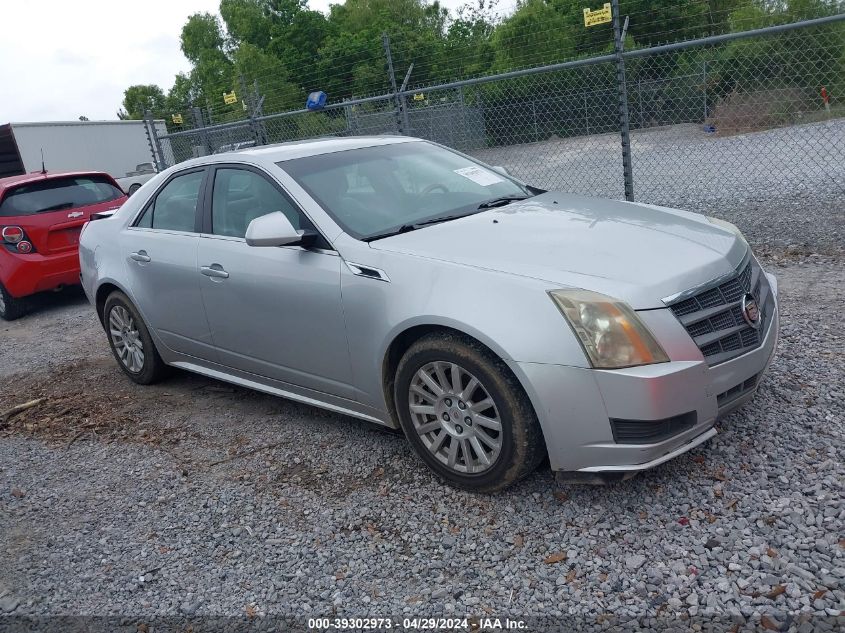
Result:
[[130, 341], [134, 188], [465, 414], [11, 307]]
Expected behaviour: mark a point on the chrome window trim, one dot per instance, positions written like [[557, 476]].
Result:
[[293, 247], [147, 229], [151, 200]]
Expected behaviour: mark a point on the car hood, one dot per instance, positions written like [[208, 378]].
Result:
[[636, 252]]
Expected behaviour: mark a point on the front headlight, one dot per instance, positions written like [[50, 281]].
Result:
[[724, 224], [608, 329]]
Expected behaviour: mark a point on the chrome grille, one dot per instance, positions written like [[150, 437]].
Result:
[[712, 313]]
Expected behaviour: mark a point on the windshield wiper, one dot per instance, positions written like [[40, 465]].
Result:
[[501, 201], [444, 218], [405, 228], [56, 207], [402, 229]]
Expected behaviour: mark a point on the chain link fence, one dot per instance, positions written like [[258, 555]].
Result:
[[694, 123]]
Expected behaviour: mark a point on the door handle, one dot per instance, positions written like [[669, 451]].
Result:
[[140, 256], [215, 270]]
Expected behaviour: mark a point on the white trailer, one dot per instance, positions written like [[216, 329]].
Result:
[[115, 147]]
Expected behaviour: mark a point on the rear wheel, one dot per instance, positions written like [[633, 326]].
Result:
[[11, 307], [134, 188], [130, 341], [465, 414]]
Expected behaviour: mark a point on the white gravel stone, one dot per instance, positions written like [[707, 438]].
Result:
[[377, 521], [634, 562]]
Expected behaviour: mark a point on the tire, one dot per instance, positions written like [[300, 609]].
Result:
[[133, 188], [473, 412], [11, 307], [130, 341]]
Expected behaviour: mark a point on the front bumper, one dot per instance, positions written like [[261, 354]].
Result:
[[24, 275], [576, 405]]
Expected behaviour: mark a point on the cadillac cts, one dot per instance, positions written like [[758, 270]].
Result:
[[395, 280]]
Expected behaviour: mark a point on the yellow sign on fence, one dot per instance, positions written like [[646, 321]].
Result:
[[419, 96], [230, 97], [599, 16], [176, 118]]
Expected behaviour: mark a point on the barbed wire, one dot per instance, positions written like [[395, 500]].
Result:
[[474, 59]]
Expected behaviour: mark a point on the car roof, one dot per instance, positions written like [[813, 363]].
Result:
[[36, 176], [299, 149]]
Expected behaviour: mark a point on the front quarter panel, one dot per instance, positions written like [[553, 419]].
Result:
[[511, 315]]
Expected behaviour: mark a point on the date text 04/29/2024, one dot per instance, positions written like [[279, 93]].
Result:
[[417, 624]]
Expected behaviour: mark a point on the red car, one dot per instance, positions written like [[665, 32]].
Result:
[[41, 216]]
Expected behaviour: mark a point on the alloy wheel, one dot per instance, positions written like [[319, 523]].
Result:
[[455, 417], [126, 339]]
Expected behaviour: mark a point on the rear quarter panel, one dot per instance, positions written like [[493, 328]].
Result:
[[100, 250]]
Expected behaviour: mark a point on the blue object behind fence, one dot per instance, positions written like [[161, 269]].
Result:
[[316, 100]]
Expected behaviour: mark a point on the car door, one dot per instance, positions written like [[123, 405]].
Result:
[[273, 311], [161, 262]]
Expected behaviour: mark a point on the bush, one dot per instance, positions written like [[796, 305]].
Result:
[[741, 112]]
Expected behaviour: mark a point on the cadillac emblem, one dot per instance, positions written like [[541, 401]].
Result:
[[751, 311]]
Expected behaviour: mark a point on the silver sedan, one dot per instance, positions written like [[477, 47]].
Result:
[[398, 281]]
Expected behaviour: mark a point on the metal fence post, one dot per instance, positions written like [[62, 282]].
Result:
[[462, 101], [153, 140], [403, 102], [350, 121], [704, 86], [258, 111], [385, 40], [199, 124], [624, 123], [250, 105]]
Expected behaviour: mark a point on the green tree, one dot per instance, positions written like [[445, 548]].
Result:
[[469, 40], [352, 60], [290, 50], [201, 36], [182, 94], [142, 97], [202, 42], [534, 35], [257, 66], [297, 45]]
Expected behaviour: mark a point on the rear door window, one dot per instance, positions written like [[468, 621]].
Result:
[[175, 206], [58, 194]]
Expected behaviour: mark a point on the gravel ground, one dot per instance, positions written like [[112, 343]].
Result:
[[783, 187], [195, 498]]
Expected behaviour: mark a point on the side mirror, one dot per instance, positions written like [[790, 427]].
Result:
[[273, 229], [501, 170]]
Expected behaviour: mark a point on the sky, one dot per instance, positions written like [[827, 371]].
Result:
[[60, 60]]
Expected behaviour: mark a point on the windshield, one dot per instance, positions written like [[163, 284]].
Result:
[[372, 190], [58, 194]]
